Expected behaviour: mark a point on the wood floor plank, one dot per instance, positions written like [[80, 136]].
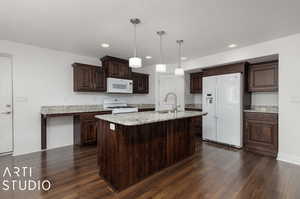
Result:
[[213, 172]]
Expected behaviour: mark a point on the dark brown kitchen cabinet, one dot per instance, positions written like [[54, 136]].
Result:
[[261, 133], [196, 126], [85, 128], [116, 67], [263, 77], [196, 82], [88, 78], [140, 83]]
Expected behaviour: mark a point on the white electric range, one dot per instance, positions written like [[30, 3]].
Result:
[[118, 106]]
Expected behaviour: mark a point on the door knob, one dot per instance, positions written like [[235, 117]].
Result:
[[6, 113]]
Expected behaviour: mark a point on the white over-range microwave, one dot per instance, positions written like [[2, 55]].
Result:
[[115, 85]]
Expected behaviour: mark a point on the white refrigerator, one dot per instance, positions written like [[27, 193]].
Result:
[[222, 100]]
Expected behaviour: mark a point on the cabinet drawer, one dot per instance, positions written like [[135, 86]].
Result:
[[273, 117]]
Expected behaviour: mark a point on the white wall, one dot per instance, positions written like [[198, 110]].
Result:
[[180, 84], [264, 98], [45, 77], [288, 49]]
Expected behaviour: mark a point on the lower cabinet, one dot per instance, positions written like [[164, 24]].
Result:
[[85, 128], [261, 133]]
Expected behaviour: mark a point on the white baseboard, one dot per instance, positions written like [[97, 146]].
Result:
[[289, 158]]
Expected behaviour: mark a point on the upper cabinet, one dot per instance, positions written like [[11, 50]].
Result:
[[263, 77], [116, 67], [88, 78], [196, 82], [140, 83]]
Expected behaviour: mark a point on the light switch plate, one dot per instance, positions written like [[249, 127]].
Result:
[[295, 99], [112, 126]]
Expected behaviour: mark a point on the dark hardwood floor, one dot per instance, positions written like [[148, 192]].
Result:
[[213, 172]]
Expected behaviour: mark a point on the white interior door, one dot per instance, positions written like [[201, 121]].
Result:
[[209, 105], [170, 83], [228, 109], [6, 124]]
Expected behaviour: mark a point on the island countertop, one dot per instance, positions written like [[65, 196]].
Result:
[[140, 118]]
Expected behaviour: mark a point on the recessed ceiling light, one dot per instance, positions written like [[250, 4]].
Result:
[[232, 46], [183, 58], [148, 57], [104, 45]]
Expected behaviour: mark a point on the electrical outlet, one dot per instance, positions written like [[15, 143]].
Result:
[[112, 126]]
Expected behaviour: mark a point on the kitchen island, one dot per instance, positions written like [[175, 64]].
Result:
[[133, 146]]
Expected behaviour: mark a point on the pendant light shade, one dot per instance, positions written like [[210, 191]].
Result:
[[161, 68], [179, 70], [135, 62]]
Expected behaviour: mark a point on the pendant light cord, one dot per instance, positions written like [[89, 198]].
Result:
[[179, 52], [179, 61], [134, 52], [160, 48]]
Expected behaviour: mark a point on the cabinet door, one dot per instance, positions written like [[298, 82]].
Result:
[[124, 70], [263, 77], [261, 136], [140, 83], [99, 79], [135, 79], [88, 78], [196, 82], [83, 78], [89, 132], [113, 70]]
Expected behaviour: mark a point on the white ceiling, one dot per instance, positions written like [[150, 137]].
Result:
[[206, 26]]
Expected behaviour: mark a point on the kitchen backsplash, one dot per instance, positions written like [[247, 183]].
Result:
[[265, 98]]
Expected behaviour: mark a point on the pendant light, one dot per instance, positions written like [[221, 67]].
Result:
[[135, 62], [179, 70], [161, 68]]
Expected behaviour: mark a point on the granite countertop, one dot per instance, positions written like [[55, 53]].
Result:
[[63, 109], [194, 106], [143, 106], [133, 119], [263, 109]]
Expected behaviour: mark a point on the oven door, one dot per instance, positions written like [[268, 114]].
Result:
[[115, 85]]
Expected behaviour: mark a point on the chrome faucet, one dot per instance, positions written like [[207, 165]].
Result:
[[175, 106]]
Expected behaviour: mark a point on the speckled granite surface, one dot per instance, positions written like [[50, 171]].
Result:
[[194, 106], [132, 119], [263, 109], [82, 108], [71, 109]]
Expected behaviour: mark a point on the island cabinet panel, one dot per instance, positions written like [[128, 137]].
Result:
[[128, 154]]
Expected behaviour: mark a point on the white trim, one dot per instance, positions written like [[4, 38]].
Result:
[[289, 158], [9, 56]]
